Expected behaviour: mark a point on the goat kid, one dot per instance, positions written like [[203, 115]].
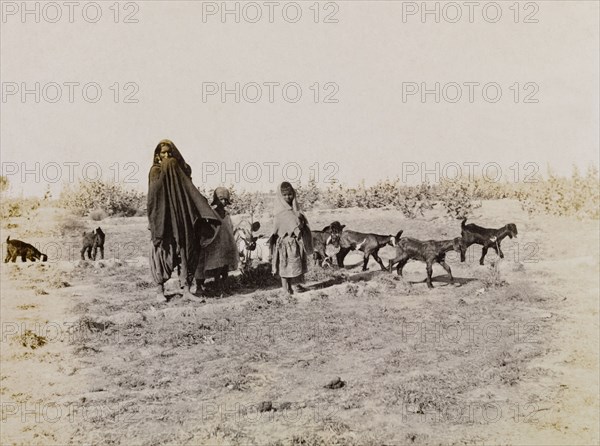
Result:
[[246, 244], [369, 244], [430, 252], [17, 248], [488, 238], [92, 242], [328, 235]]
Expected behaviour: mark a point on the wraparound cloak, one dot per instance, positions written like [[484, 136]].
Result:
[[181, 220], [223, 251]]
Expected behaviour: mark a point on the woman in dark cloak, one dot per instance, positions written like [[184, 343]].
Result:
[[181, 220]]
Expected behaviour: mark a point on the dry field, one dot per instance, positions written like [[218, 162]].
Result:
[[508, 355]]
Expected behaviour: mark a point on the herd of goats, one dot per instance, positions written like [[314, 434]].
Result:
[[430, 251]]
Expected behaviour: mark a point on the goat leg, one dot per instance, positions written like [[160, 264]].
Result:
[[341, 255], [484, 251], [499, 251], [400, 266], [378, 259], [429, 273], [365, 262], [448, 270]]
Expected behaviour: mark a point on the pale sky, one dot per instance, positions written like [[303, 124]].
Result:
[[369, 57]]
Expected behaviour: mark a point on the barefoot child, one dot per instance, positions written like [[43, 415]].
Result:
[[291, 241], [221, 256]]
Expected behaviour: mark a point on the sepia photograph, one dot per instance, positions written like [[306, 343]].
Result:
[[300, 223]]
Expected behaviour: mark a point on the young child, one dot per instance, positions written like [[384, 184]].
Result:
[[221, 256], [291, 242]]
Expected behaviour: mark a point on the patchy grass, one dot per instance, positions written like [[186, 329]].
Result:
[[249, 365]]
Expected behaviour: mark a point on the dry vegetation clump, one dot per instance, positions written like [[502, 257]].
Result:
[[577, 196], [562, 196], [98, 214], [112, 198], [18, 207], [57, 280], [257, 278], [31, 340], [492, 278], [69, 225]]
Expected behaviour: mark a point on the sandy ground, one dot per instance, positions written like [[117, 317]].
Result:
[[506, 356]]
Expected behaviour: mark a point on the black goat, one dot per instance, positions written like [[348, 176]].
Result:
[[17, 248], [328, 235], [369, 244], [489, 238], [430, 252], [92, 241]]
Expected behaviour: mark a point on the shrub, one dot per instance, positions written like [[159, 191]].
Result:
[[250, 203], [411, 200], [18, 207], [98, 214], [414, 200], [112, 198], [338, 197], [455, 197], [4, 183], [71, 225], [310, 196], [577, 196]]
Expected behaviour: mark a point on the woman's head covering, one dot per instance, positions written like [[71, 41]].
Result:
[[221, 194], [281, 205], [175, 153]]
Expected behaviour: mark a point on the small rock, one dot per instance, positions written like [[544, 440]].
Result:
[[285, 405], [265, 406], [462, 302], [336, 383]]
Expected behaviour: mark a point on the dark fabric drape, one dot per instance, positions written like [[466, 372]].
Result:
[[178, 213]]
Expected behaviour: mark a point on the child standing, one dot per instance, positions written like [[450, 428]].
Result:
[[221, 256], [291, 241]]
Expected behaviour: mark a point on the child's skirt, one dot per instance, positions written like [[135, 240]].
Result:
[[289, 259]]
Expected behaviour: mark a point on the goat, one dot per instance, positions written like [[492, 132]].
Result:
[[17, 248], [429, 251], [473, 234], [369, 244], [328, 235], [92, 241], [246, 244]]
